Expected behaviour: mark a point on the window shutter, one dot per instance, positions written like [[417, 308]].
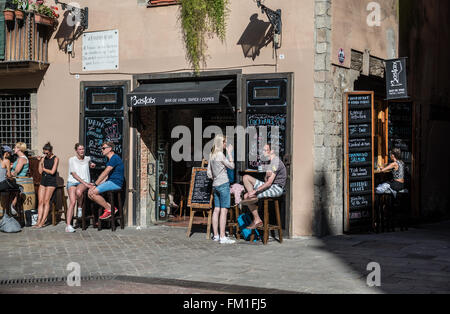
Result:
[[2, 30]]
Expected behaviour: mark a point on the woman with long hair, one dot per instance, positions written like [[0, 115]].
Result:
[[217, 170], [20, 167], [5, 167], [397, 166], [48, 165], [79, 180]]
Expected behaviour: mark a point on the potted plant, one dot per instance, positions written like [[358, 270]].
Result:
[[21, 7], [8, 12], [43, 14]]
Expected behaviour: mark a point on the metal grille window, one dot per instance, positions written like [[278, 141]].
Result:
[[15, 119]]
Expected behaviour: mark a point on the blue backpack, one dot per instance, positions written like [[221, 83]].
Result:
[[245, 220]]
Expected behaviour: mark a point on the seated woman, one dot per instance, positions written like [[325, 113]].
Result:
[[398, 170], [20, 166]]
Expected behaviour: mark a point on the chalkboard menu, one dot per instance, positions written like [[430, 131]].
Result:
[[400, 128], [200, 190], [99, 130], [359, 167], [268, 120]]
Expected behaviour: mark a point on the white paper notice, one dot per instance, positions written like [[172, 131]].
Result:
[[101, 50]]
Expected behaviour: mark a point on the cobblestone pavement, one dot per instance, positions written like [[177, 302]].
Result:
[[416, 261]]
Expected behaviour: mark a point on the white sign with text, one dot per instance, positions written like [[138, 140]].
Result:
[[101, 51]]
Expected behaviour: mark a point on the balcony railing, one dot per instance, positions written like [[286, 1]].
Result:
[[26, 40]]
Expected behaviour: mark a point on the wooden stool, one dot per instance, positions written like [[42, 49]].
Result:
[[266, 228], [87, 203], [59, 190], [111, 195], [232, 221]]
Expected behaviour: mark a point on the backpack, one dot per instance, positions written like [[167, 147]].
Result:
[[245, 220], [9, 224]]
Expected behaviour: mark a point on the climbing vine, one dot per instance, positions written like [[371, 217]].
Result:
[[201, 18]]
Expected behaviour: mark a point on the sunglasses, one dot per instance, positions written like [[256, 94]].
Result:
[[105, 147]]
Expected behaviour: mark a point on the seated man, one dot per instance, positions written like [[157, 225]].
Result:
[[110, 179], [275, 181]]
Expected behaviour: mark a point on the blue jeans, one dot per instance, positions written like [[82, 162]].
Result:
[[222, 197]]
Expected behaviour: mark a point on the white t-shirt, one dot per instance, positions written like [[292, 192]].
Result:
[[80, 167]]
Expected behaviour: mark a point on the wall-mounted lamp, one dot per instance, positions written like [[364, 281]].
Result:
[[275, 19], [81, 14]]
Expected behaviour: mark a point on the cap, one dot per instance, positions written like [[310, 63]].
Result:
[[7, 149]]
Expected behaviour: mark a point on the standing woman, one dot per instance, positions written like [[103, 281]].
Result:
[[48, 166], [79, 180], [217, 170], [20, 166], [5, 167]]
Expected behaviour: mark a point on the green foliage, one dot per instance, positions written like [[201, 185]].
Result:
[[198, 19]]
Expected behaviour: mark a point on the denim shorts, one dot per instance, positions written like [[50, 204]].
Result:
[[107, 186], [222, 197], [70, 184]]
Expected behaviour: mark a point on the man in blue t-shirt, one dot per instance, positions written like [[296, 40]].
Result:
[[110, 179]]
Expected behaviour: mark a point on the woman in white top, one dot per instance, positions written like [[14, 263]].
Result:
[[79, 180], [217, 170]]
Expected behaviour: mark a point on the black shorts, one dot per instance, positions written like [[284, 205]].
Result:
[[48, 181]]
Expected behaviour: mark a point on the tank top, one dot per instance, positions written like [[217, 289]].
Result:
[[2, 174], [400, 173], [48, 164], [24, 170]]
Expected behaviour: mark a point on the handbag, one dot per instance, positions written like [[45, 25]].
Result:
[[244, 221]]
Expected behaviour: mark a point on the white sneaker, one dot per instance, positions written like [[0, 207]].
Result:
[[216, 238], [226, 240], [70, 229], [13, 211]]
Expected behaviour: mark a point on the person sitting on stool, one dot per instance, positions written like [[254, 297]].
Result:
[[109, 180], [398, 170], [275, 181]]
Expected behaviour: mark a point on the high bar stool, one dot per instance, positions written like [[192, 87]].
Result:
[[232, 221], [112, 195], [266, 228], [54, 212]]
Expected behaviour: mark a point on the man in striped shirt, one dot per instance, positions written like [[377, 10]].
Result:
[[275, 181]]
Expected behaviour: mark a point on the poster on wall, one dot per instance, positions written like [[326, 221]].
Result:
[[100, 50], [396, 79]]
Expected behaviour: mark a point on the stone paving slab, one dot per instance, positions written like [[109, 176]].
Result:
[[416, 261]]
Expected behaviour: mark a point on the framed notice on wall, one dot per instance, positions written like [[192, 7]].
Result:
[[360, 197]]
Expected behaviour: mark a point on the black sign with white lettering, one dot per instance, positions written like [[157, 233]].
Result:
[[99, 130], [185, 98], [200, 191], [396, 79], [360, 159]]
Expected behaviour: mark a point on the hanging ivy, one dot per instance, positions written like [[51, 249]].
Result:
[[200, 18]]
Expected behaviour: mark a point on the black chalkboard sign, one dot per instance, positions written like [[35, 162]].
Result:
[[268, 120], [359, 166], [99, 130], [200, 190], [396, 79], [400, 129]]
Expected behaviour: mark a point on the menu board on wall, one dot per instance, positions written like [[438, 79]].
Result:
[[400, 128], [268, 120], [99, 130], [359, 166]]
